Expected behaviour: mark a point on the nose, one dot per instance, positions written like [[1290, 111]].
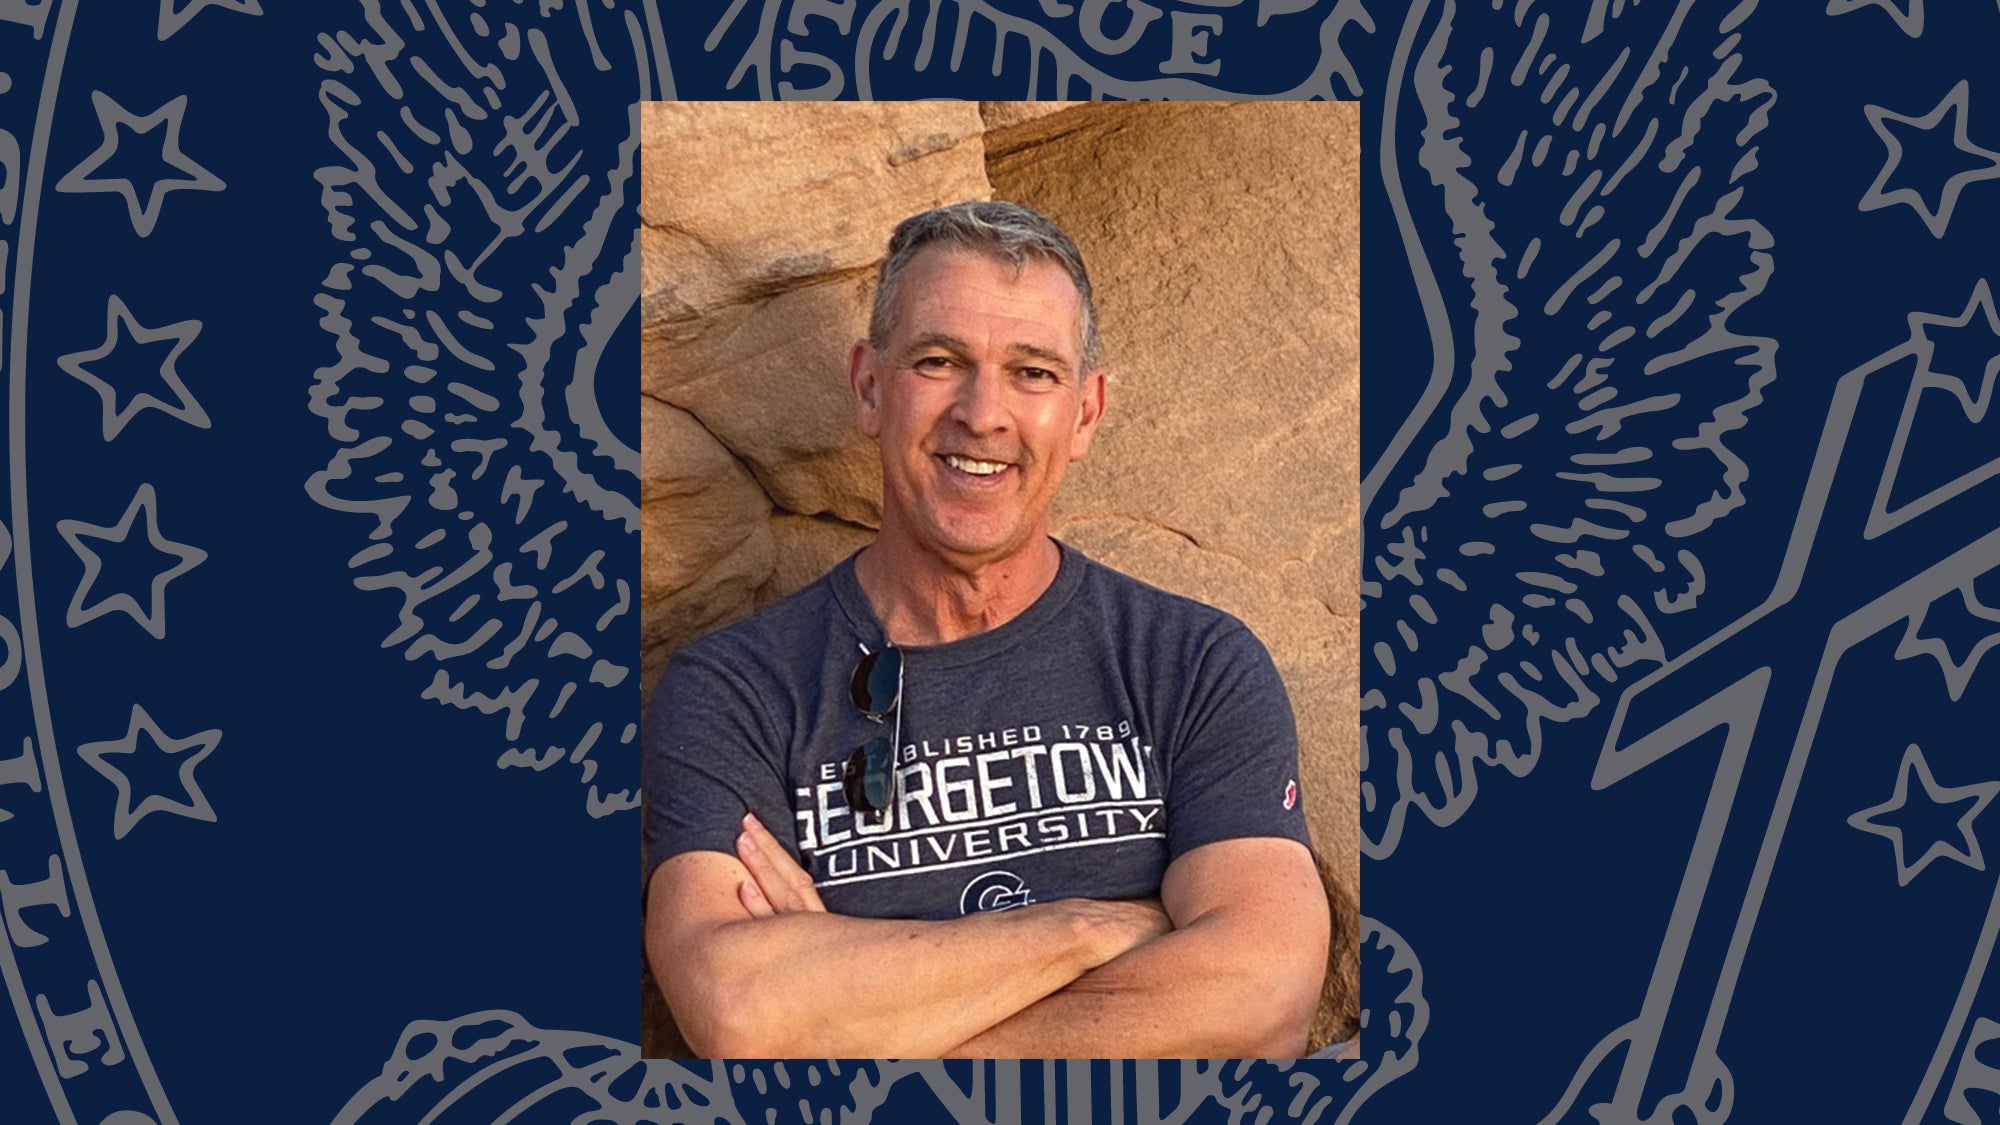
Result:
[[981, 406]]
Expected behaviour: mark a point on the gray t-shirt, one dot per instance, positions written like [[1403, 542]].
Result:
[[1074, 751]]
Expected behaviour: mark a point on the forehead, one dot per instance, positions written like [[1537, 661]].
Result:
[[975, 295]]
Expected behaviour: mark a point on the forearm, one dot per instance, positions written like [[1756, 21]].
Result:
[[1239, 976], [1215, 989], [834, 986]]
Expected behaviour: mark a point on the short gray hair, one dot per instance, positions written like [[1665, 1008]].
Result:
[[996, 227]]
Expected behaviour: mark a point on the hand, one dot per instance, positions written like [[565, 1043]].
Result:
[[778, 885], [1145, 917], [1122, 925]]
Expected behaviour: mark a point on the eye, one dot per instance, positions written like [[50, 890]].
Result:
[[934, 363], [1040, 375]]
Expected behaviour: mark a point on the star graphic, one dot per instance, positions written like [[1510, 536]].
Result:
[[111, 118], [1910, 18], [115, 416], [1987, 166], [1972, 351], [1875, 819], [153, 618], [99, 755], [1960, 356], [1976, 619], [172, 21]]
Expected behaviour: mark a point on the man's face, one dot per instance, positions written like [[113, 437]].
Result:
[[979, 401]]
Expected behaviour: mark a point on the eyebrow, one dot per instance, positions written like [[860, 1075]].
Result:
[[954, 344]]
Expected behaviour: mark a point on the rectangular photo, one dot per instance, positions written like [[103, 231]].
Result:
[[1000, 563]]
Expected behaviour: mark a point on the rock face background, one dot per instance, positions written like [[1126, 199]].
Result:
[[1222, 240]]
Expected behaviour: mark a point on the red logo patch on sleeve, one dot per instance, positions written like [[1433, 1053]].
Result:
[[1291, 793]]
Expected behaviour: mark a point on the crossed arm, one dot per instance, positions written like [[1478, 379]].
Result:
[[1227, 963]]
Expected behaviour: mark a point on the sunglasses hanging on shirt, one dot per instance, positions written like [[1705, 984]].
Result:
[[877, 688]]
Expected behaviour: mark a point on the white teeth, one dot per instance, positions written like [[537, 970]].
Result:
[[976, 468]]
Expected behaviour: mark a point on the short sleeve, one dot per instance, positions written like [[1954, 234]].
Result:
[[710, 754], [1235, 765]]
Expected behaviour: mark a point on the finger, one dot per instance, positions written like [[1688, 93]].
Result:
[[754, 900], [808, 894], [797, 881], [782, 863], [762, 861], [778, 861]]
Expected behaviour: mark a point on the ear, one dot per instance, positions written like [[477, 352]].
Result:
[[1096, 393], [866, 387]]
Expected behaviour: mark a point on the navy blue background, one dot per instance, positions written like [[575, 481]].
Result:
[[368, 868]]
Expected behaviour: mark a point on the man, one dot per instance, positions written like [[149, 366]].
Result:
[[971, 793]]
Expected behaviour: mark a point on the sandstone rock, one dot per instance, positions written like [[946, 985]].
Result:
[[771, 383], [1224, 255], [808, 548], [705, 538], [699, 501], [718, 595], [1010, 125], [743, 199]]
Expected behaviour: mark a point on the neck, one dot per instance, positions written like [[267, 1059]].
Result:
[[922, 599]]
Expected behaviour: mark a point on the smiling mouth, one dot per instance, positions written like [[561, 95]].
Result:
[[974, 467]]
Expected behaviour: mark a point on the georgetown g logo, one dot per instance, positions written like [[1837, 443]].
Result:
[[994, 890]]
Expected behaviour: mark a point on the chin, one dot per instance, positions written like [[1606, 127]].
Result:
[[962, 543], [970, 549]]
